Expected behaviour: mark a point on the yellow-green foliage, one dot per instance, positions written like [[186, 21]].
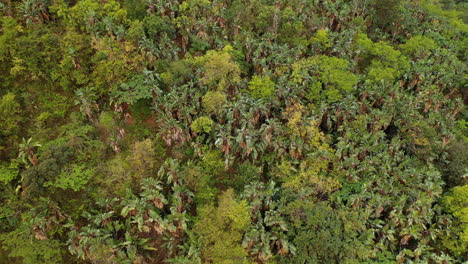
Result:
[[177, 71], [74, 178], [290, 31], [136, 31], [323, 234], [220, 70], [220, 230], [9, 114], [75, 64], [327, 78], [114, 63], [212, 165], [383, 61], [213, 162], [321, 39], [294, 114], [313, 171], [53, 107], [106, 120], [261, 87], [418, 46], [456, 202], [8, 172], [213, 101], [23, 244], [311, 174], [462, 129], [83, 15], [116, 177], [305, 129], [452, 16], [10, 31], [142, 158], [10, 119], [202, 124]]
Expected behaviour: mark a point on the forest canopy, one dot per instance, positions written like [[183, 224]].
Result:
[[233, 131]]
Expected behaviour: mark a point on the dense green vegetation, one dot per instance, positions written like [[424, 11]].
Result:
[[233, 131]]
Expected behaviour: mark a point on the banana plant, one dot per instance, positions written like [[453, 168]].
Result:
[[267, 235], [35, 11], [136, 227], [26, 150]]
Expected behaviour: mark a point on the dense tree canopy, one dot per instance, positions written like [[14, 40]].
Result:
[[233, 131]]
